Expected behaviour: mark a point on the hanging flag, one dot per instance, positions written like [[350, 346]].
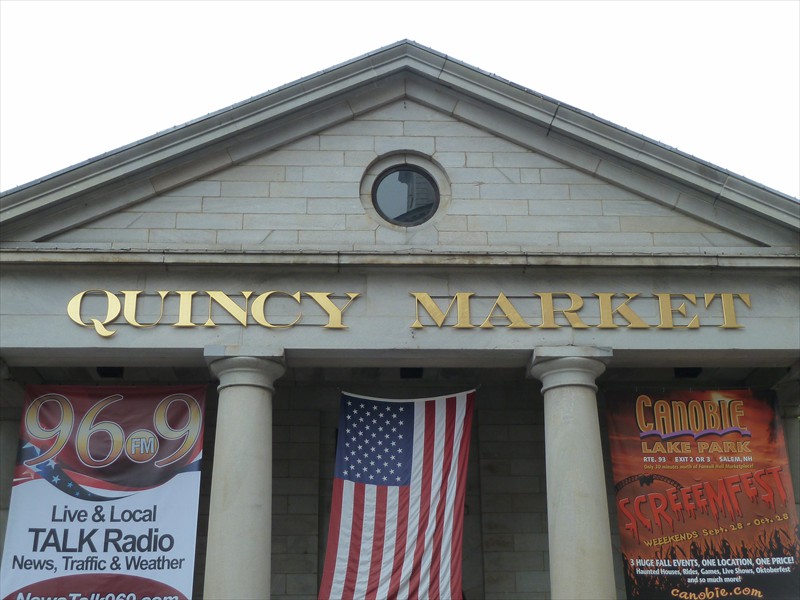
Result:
[[398, 498]]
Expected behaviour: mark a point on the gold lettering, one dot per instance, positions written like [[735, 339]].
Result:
[[607, 312], [112, 312], [558, 309], [680, 417], [661, 414], [185, 309], [736, 410], [712, 416], [131, 301], [461, 299], [728, 308], [549, 311], [509, 312], [334, 312], [643, 402], [666, 309], [695, 415], [668, 448], [718, 414], [259, 309], [233, 309], [656, 448]]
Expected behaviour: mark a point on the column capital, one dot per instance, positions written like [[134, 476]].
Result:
[[247, 370], [558, 366]]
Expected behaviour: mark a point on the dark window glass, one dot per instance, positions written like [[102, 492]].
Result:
[[405, 195]]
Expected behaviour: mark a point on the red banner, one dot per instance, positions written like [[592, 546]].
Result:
[[703, 495], [105, 492]]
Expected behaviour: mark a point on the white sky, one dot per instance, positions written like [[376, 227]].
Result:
[[718, 80]]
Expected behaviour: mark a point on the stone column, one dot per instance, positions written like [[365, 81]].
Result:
[[9, 434], [13, 395], [791, 432], [788, 392], [240, 520], [581, 564]]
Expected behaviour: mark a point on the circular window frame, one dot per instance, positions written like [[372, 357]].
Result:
[[433, 207], [405, 159]]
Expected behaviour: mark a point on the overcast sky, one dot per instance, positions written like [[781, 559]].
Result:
[[718, 80]]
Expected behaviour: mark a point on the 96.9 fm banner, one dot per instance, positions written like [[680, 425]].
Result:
[[105, 492], [703, 495]]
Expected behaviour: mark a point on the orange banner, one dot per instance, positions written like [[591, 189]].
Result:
[[704, 498]]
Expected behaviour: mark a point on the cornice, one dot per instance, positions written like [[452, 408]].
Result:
[[784, 259]]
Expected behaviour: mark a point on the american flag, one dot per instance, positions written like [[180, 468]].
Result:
[[398, 498]]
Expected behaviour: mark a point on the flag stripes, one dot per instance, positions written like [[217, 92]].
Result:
[[398, 540]]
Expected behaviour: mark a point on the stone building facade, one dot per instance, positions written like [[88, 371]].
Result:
[[566, 258]]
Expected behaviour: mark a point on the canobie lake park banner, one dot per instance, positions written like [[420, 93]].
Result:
[[105, 493], [704, 497]]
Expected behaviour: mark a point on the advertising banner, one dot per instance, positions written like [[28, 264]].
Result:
[[703, 495], [105, 492]]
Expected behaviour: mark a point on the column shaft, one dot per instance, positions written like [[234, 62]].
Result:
[[788, 391], [791, 433], [240, 520], [581, 565], [13, 395]]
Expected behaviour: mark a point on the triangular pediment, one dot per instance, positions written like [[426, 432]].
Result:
[[285, 172], [306, 195]]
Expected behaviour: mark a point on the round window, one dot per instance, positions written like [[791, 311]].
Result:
[[405, 195]]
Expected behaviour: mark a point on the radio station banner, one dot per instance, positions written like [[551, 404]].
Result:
[[105, 492], [703, 495]]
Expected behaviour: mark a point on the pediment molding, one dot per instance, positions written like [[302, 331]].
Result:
[[139, 171]]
